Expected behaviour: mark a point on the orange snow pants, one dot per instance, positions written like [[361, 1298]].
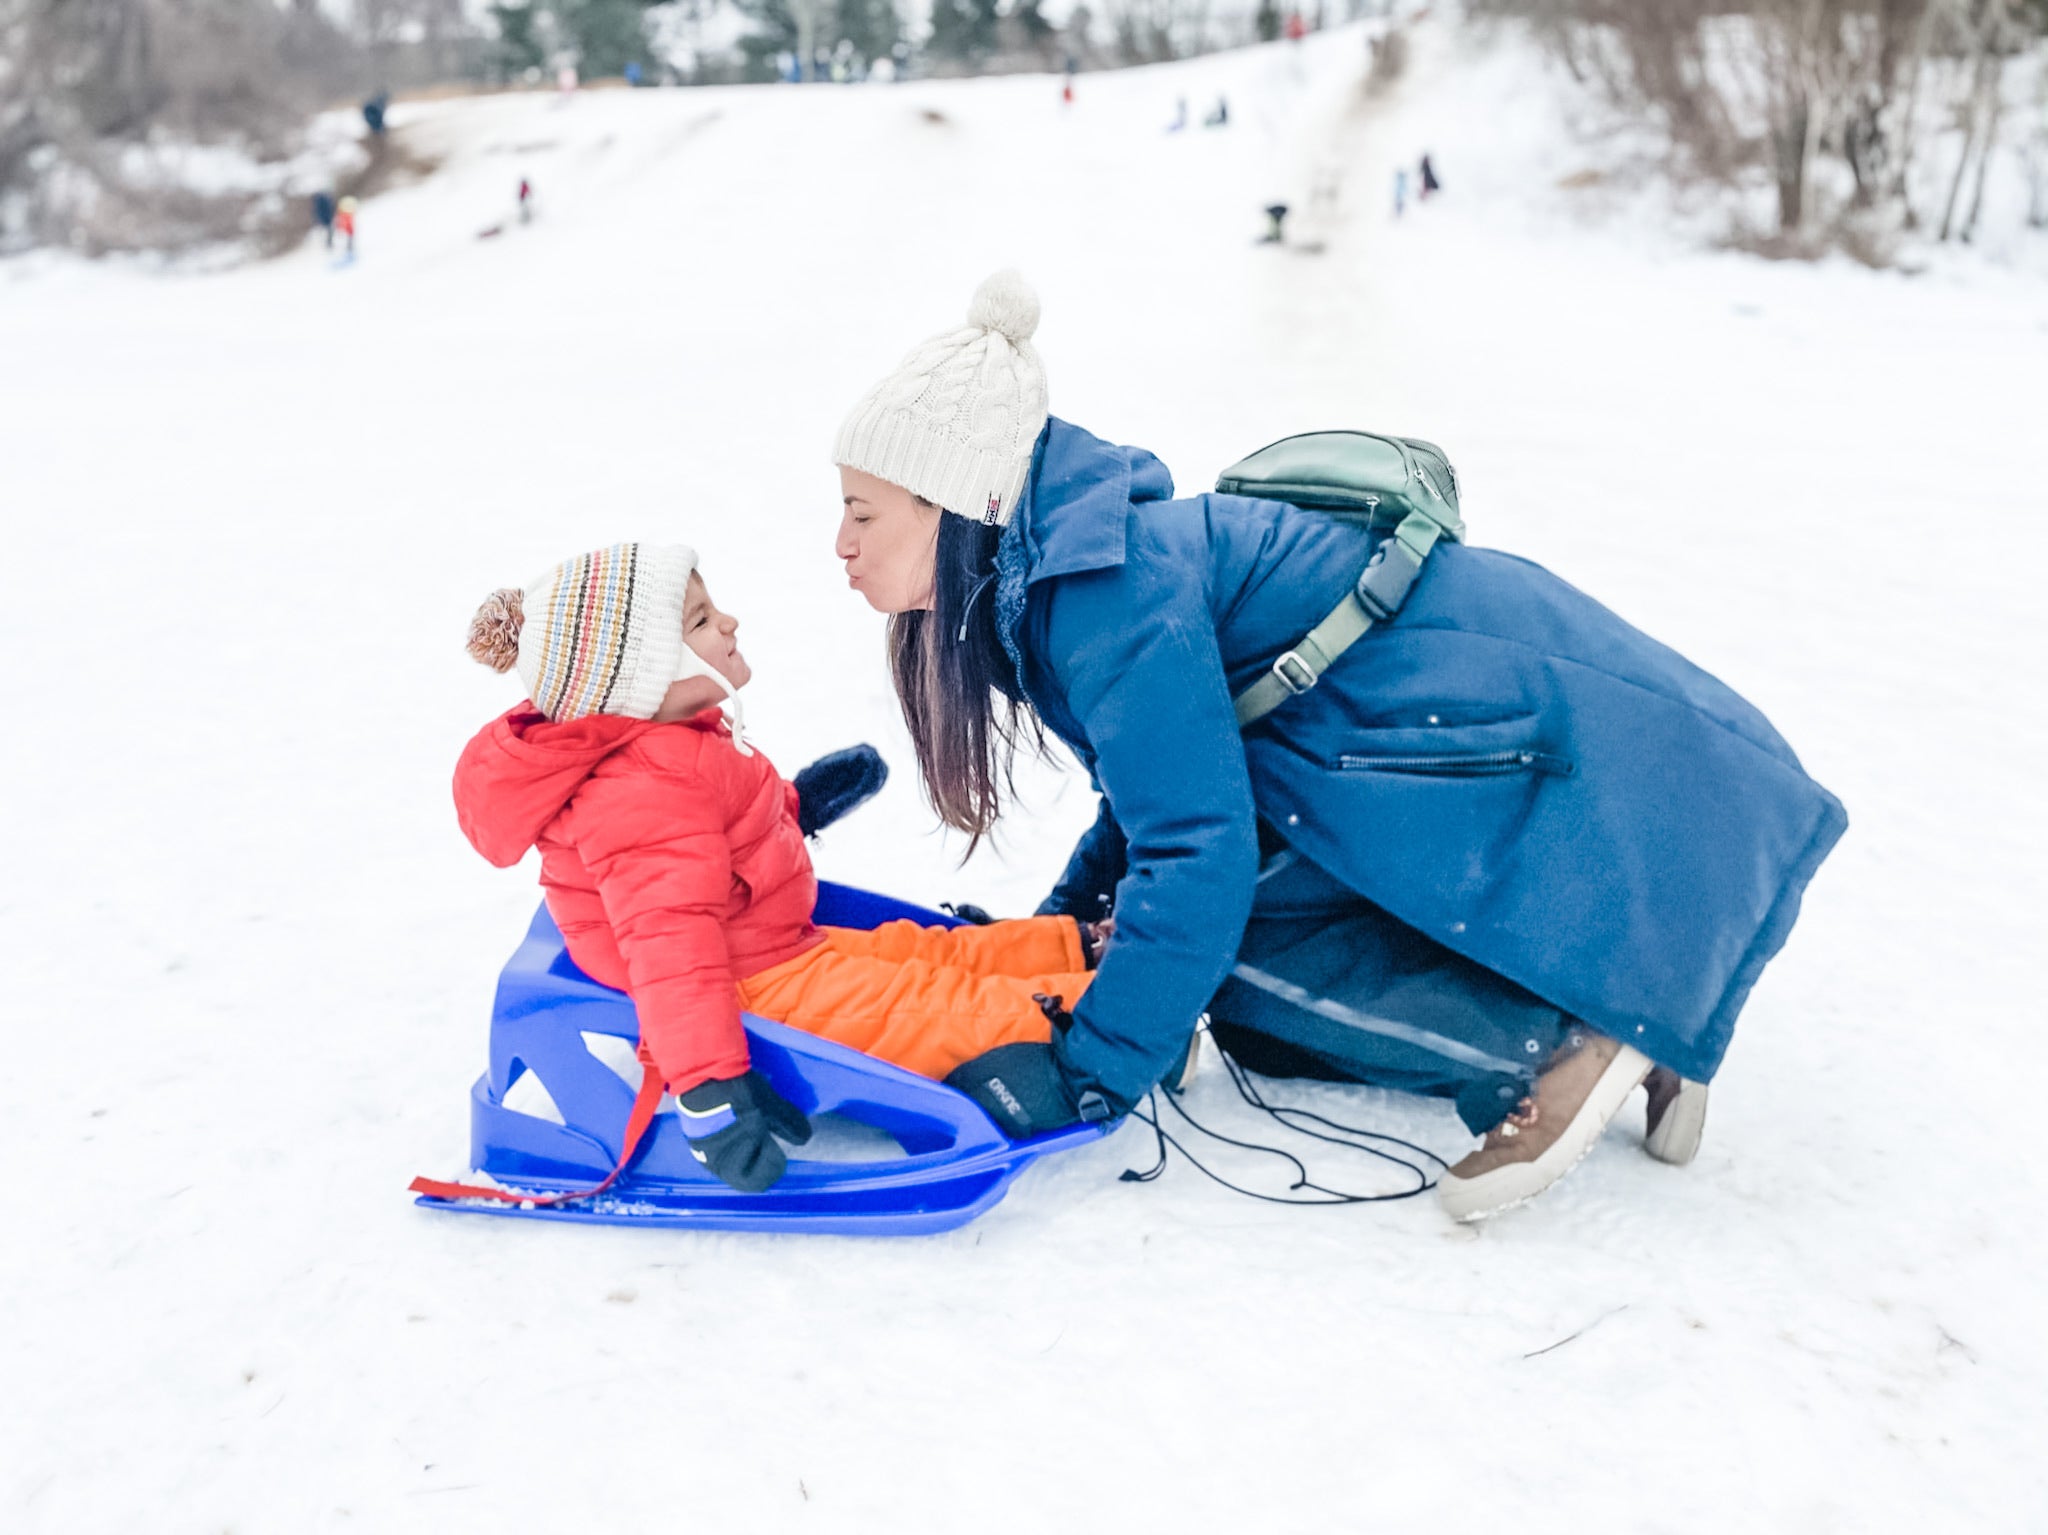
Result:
[[926, 998]]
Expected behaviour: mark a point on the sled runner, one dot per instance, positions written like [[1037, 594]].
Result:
[[954, 1162]]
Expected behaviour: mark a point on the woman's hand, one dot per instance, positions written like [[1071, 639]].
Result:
[[1020, 1087]]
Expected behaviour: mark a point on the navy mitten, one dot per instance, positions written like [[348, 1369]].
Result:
[[836, 783], [732, 1125], [1022, 1088]]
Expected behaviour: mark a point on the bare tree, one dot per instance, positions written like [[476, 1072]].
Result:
[[1775, 85], [87, 81], [2035, 152], [1992, 33], [1153, 31], [1890, 49]]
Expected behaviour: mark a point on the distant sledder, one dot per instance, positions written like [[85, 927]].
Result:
[[345, 226], [522, 201], [324, 211]]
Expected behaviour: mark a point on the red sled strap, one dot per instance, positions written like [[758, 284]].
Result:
[[642, 1116]]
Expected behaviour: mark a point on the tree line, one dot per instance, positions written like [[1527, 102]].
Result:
[[91, 91], [1863, 117]]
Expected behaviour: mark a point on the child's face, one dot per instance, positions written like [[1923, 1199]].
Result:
[[889, 541], [712, 634]]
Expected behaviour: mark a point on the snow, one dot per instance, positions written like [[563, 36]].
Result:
[[250, 957]]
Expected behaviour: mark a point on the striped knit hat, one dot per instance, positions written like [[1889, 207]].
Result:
[[957, 421], [598, 634]]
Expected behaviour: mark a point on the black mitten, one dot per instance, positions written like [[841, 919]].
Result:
[[836, 783], [1020, 1087], [732, 1125]]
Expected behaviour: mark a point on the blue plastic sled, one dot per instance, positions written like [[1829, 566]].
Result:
[[955, 1163]]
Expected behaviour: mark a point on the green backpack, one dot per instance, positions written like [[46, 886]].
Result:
[[1400, 484]]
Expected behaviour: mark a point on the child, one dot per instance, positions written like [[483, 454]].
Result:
[[673, 860]]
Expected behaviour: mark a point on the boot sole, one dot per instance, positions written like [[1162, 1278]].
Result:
[[1675, 1138], [1471, 1199]]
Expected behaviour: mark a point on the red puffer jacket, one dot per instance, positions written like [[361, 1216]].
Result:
[[672, 864]]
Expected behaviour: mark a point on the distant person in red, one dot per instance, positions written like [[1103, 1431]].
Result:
[[525, 201], [345, 223], [1297, 29]]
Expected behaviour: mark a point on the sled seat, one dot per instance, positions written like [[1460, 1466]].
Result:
[[950, 1160]]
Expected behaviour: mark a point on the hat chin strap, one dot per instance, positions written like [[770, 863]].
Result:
[[694, 665]]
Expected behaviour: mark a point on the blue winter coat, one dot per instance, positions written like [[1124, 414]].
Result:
[[1506, 766]]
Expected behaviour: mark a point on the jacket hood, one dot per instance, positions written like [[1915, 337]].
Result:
[[518, 772], [1078, 498], [1072, 517]]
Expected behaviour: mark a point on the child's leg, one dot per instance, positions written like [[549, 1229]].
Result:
[[1025, 946], [925, 1017]]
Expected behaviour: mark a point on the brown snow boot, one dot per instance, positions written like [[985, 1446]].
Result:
[[1678, 1116], [1588, 1079]]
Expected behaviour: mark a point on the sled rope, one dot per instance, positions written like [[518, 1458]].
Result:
[[644, 1105]]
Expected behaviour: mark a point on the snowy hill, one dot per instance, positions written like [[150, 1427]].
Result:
[[251, 958]]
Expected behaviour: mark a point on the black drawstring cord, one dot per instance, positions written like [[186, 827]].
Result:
[[1131, 1174], [1249, 1092], [1423, 1181]]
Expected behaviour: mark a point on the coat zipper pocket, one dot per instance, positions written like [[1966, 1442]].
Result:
[[1460, 765]]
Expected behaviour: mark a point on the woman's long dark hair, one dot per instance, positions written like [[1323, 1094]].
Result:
[[958, 690]]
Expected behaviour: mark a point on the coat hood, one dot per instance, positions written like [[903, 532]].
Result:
[[1078, 499], [518, 772], [1074, 516]]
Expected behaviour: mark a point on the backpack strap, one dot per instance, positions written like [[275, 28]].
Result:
[[1377, 596]]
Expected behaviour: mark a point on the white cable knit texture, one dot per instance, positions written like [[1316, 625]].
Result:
[[957, 420]]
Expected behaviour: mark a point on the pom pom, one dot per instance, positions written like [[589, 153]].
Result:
[[494, 632], [1005, 303]]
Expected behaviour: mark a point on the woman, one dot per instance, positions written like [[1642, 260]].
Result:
[[1507, 850]]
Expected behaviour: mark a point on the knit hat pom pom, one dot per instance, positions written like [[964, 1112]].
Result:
[[494, 632], [1005, 303]]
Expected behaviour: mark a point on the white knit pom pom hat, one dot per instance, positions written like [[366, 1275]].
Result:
[[957, 420], [603, 632]]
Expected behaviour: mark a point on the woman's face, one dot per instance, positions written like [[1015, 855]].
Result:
[[889, 541]]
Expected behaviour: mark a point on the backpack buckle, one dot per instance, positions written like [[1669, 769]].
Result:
[[1298, 681], [1384, 583]]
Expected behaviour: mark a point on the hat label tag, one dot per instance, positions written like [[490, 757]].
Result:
[[994, 512]]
